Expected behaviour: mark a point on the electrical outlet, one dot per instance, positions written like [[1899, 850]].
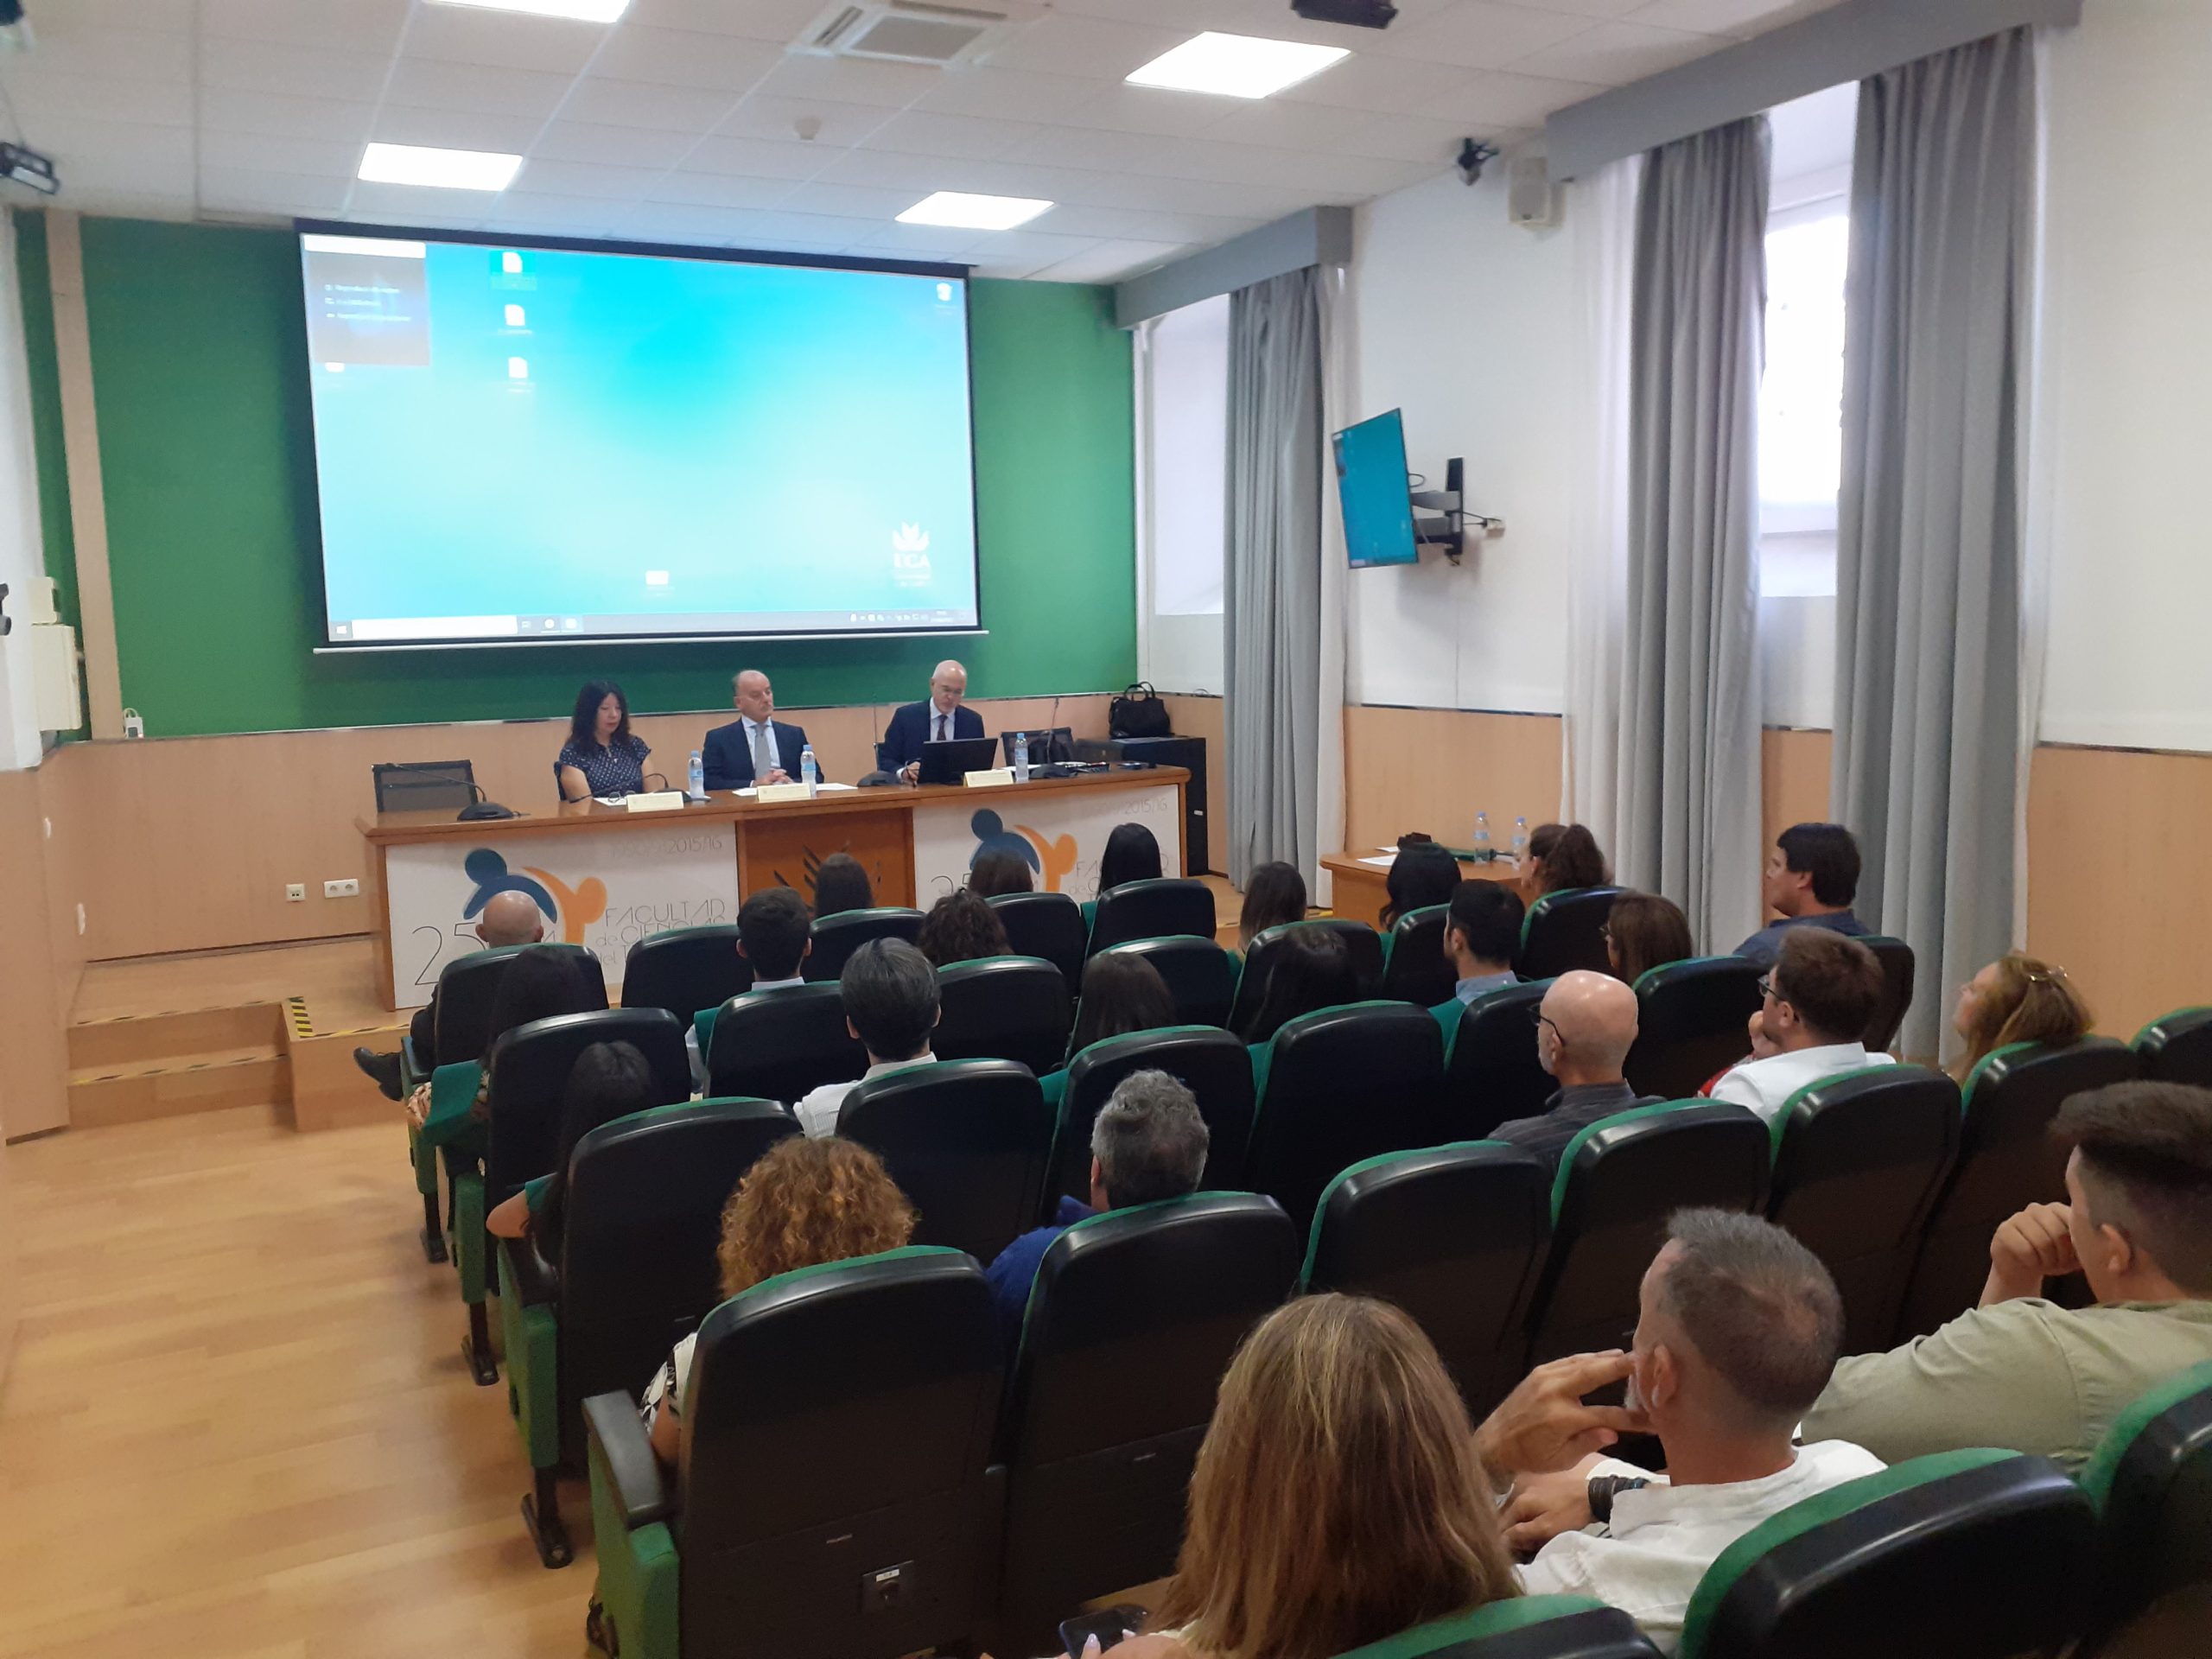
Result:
[[296, 893], [349, 888]]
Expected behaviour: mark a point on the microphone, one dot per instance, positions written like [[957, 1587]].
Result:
[[1053, 734]]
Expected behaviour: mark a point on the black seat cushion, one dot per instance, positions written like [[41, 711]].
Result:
[[529, 1070], [1493, 1074], [1895, 958], [1002, 1009], [1361, 942], [685, 970], [835, 938], [1152, 909], [1416, 968], [2179, 1048], [1199, 974], [779, 1043], [1205, 1059], [966, 1141], [1047, 925], [1692, 1023], [469, 985], [1565, 931]]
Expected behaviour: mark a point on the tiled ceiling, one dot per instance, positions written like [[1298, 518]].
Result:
[[681, 122]]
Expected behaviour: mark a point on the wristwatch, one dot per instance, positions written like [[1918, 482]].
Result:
[[1605, 1488]]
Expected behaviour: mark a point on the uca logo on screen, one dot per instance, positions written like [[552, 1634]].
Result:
[[910, 555]]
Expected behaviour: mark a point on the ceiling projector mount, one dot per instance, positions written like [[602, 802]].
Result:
[[1359, 13]]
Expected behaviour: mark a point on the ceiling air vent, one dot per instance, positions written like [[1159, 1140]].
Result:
[[910, 31]]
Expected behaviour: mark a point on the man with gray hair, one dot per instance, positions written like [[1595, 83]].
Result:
[[1740, 1329], [941, 718], [1149, 1143]]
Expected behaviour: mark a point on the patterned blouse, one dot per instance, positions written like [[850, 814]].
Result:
[[615, 769]]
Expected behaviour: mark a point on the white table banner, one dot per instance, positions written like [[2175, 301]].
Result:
[[1060, 834]]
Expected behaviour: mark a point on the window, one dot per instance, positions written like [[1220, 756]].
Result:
[[1801, 399], [1182, 471]]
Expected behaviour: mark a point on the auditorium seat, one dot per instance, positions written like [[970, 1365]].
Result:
[[1565, 930], [966, 1141], [1134, 1318], [1692, 1022], [1520, 1627], [1617, 1182], [1456, 1237], [462, 1024], [1859, 1159], [1153, 909], [685, 969], [1205, 1059], [641, 1223], [835, 938], [2151, 1480], [1337, 1086], [1047, 925], [1200, 975], [1002, 1009], [1492, 1075], [838, 1497], [2178, 1048], [1969, 1554], [2006, 1161], [1896, 957], [779, 1043], [1361, 942], [1414, 968], [529, 1068]]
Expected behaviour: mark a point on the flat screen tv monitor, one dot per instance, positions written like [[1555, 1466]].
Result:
[[1372, 483], [522, 442]]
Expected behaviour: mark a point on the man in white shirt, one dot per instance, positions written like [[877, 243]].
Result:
[[890, 995], [1740, 1330], [1820, 995]]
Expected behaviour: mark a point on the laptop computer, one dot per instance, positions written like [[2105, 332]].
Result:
[[952, 761]]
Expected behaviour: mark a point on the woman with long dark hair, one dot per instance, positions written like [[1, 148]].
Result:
[[840, 885], [1422, 876], [602, 755], [1313, 970], [609, 1081]]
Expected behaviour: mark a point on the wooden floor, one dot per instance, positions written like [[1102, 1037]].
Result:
[[238, 1422]]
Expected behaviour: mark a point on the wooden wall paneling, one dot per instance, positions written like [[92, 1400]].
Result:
[[1206, 719], [2119, 890], [58, 792], [33, 1082], [1433, 769], [1792, 778]]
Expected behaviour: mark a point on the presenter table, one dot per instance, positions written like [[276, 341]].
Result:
[[607, 877], [1359, 890]]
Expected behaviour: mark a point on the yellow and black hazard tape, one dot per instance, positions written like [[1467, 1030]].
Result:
[[296, 1008]]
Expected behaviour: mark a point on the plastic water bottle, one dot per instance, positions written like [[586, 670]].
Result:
[[809, 771], [1520, 843], [1483, 851], [697, 789], [1021, 757]]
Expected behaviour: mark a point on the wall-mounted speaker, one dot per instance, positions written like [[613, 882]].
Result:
[[1531, 198]]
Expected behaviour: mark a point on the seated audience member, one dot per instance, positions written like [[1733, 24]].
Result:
[[1337, 1499], [1149, 1143], [842, 885], [961, 927], [1312, 969], [1132, 854], [1273, 893], [541, 983], [1001, 870], [609, 1080], [1820, 995], [1481, 933], [889, 990], [1585, 1027], [1738, 1333], [2016, 999], [509, 917], [1422, 876], [1562, 857], [1121, 994], [2022, 1372], [1811, 877], [805, 1203], [1645, 931], [775, 935]]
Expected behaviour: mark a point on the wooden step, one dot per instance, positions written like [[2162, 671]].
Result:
[[203, 1082], [135, 1041]]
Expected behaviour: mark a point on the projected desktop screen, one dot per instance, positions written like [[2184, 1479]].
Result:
[[517, 443]]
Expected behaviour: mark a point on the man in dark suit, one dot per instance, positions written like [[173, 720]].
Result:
[[938, 720], [757, 748]]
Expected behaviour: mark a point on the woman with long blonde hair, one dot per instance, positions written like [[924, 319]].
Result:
[[1337, 1499], [2016, 999]]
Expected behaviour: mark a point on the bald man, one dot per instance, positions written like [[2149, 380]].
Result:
[[1585, 1028], [939, 720], [508, 918], [756, 747]]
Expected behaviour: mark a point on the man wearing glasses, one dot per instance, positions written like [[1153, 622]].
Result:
[[1820, 996], [1585, 1027]]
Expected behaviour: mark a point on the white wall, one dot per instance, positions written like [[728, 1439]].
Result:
[[1465, 322], [21, 555], [2127, 368], [1182, 390]]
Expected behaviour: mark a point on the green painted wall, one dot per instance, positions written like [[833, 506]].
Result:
[[199, 367]]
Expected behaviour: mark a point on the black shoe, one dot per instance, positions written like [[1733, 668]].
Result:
[[382, 1070]]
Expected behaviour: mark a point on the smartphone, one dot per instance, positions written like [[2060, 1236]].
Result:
[[1111, 1627]]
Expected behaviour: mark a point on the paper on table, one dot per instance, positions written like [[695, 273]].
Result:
[[749, 790], [1382, 861]]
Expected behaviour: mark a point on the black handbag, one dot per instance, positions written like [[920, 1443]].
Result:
[[1138, 712]]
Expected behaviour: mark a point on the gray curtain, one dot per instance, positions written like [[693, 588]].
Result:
[[1928, 566], [1272, 584], [1689, 709]]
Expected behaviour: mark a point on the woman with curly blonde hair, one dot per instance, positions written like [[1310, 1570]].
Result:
[[805, 1203], [2016, 999]]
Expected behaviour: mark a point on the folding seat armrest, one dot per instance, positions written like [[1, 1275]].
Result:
[[527, 1275], [640, 1490]]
